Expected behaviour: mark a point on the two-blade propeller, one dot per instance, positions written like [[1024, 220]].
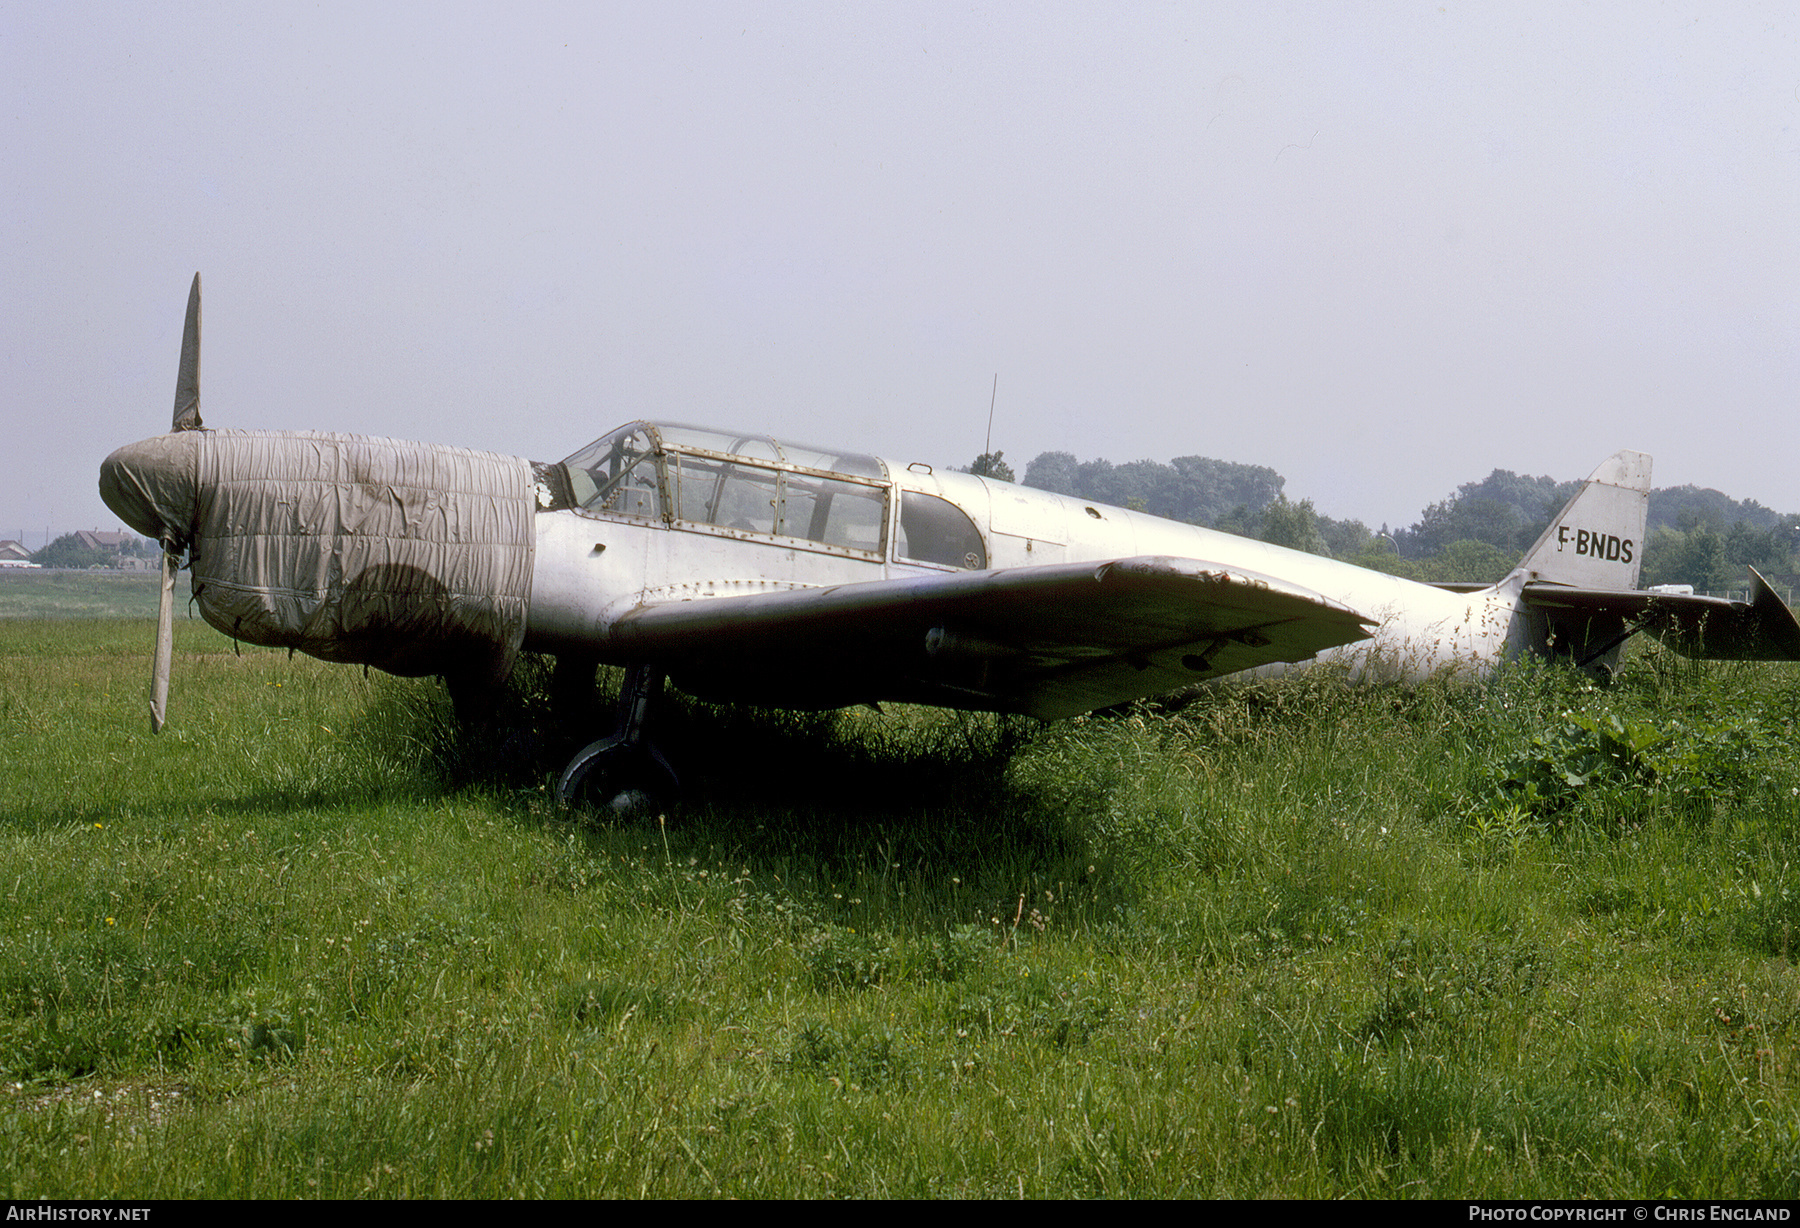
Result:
[[187, 418]]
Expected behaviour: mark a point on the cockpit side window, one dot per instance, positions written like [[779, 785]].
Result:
[[846, 514], [752, 499], [934, 530], [742, 497]]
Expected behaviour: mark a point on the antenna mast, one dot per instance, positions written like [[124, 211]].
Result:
[[988, 448]]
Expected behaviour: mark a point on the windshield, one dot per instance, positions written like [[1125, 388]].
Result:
[[617, 473]]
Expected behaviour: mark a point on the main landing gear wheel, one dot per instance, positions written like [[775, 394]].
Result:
[[624, 770]]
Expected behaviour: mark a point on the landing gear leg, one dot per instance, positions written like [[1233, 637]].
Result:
[[624, 762]]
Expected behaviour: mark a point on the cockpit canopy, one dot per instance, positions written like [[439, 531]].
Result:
[[722, 481], [745, 483]]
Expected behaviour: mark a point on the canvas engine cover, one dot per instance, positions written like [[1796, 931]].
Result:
[[412, 558]]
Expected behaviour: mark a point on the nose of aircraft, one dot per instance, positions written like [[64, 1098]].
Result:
[[153, 485]]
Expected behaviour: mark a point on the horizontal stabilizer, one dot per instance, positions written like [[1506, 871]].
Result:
[[1761, 629]]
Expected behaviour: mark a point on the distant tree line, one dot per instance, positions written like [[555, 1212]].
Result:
[[1702, 549], [1192, 489], [1696, 536]]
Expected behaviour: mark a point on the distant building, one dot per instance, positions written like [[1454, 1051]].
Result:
[[110, 543], [14, 551]]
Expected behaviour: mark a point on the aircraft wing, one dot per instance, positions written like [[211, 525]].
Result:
[[1761, 629], [1047, 641]]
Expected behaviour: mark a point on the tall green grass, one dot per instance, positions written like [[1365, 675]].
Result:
[[1299, 939], [77, 594]]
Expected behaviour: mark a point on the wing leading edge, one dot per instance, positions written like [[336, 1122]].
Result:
[[1044, 641]]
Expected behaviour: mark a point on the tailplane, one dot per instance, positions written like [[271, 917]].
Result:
[[1597, 540], [1578, 587]]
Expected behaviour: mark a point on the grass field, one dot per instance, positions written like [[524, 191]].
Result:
[[1517, 939], [78, 594]]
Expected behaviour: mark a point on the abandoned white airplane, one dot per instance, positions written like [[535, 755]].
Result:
[[749, 568]]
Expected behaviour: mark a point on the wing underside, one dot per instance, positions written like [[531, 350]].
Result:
[[1044, 641]]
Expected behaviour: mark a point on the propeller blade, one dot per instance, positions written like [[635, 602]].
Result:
[[187, 380], [165, 642], [187, 418]]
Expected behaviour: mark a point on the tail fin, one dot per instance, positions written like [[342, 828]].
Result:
[[1597, 540]]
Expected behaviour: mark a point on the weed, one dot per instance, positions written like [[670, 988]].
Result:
[[1587, 765], [860, 1060], [595, 1003], [1428, 983]]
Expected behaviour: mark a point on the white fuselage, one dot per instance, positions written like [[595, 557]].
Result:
[[592, 567]]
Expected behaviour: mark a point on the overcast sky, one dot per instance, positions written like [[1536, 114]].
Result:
[[1383, 249]]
